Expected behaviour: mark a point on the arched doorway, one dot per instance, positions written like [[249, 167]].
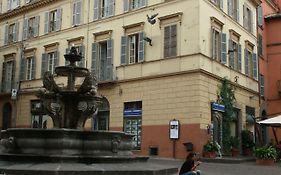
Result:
[[101, 120], [7, 116]]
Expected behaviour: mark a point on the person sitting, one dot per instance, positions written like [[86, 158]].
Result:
[[189, 166]]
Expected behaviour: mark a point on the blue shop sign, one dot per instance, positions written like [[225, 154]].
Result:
[[132, 113], [217, 107]]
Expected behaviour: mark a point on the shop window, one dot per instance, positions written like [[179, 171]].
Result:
[[133, 121]]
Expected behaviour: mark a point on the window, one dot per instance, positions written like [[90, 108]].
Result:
[[218, 3], [247, 18], [8, 74], [49, 62], [103, 8], [132, 48], [133, 121], [260, 50], [29, 68], [250, 64], [11, 33], [27, 65], [234, 55], [218, 46], [233, 9], [261, 85], [30, 27], [260, 16], [134, 4], [102, 63], [170, 41], [76, 15], [12, 4], [52, 21], [39, 118]]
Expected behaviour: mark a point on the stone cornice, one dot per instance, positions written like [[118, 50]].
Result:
[[25, 8]]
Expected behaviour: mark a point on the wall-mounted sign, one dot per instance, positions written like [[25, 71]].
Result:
[[174, 129], [14, 94], [132, 113], [217, 107]]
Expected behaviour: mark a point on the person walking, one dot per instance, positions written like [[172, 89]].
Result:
[[189, 166]]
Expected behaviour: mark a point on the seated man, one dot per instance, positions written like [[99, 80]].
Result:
[[189, 166]]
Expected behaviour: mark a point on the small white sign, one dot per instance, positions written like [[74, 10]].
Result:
[[174, 129], [14, 94]]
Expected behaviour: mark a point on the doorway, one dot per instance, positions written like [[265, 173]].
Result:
[[7, 116]]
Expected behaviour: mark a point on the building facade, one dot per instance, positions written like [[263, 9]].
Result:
[[268, 62], [157, 62]]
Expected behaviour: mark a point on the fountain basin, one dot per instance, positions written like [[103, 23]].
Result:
[[67, 145]]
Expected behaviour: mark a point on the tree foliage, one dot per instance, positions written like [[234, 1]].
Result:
[[227, 98]]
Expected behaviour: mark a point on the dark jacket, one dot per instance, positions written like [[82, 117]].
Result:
[[186, 166]]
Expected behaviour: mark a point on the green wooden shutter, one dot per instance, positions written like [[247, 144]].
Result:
[[94, 59], [255, 66], [6, 35], [251, 21], [213, 33], [124, 53], [245, 17], [237, 11], [82, 50], [231, 54], [239, 58], [23, 69], [96, 9], [246, 61], [167, 38], [230, 7], [260, 15], [36, 26], [78, 13], [13, 74], [33, 70], [44, 64], [221, 4], [46, 23], [223, 48], [109, 60], [141, 47], [58, 20], [111, 7], [56, 59], [173, 46], [74, 13], [25, 29], [3, 77], [126, 5], [15, 33]]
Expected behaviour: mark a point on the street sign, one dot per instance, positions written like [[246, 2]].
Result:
[[174, 129], [217, 107], [14, 94]]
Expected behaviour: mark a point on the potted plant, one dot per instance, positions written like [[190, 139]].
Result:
[[247, 142], [265, 155], [234, 144], [209, 150]]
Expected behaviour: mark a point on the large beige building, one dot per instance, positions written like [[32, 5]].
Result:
[[151, 71]]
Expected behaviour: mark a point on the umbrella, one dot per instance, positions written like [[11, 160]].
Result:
[[274, 121]]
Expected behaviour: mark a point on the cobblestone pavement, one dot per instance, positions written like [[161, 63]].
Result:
[[249, 168]]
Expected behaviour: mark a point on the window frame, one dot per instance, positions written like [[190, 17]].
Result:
[[172, 53]]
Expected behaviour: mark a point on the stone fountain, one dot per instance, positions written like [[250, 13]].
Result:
[[67, 147]]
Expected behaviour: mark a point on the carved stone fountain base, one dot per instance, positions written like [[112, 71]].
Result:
[[68, 151]]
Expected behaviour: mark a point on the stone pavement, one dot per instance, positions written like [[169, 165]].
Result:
[[234, 168]]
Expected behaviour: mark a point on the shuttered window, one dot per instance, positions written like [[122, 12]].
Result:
[[218, 3], [170, 41], [52, 21], [11, 33], [8, 75], [50, 60], [133, 4], [103, 8], [260, 51], [233, 9], [216, 44], [234, 55], [132, 48], [260, 16], [31, 27], [30, 68], [102, 60], [76, 14], [251, 64], [247, 18]]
